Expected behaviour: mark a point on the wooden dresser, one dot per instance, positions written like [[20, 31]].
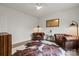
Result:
[[5, 44]]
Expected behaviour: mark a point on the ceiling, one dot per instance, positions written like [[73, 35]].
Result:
[[47, 8]]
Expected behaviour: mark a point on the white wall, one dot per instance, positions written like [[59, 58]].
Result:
[[18, 24], [65, 16]]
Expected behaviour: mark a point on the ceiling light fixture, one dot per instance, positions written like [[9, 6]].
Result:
[[38, 6]]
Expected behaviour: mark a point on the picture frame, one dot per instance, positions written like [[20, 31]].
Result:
[[52, 23]]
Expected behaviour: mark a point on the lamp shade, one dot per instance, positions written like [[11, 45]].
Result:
[[38, 29]]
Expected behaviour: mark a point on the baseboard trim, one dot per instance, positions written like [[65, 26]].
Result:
[[19, 44]]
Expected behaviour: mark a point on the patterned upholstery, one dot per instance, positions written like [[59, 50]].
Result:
[[41, 50]]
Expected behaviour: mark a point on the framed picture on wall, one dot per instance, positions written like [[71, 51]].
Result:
[[52, 23]]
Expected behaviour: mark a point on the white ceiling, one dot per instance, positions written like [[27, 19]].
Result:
[[48, 8]]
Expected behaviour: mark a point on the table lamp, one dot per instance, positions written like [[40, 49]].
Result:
[[74, 23]]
